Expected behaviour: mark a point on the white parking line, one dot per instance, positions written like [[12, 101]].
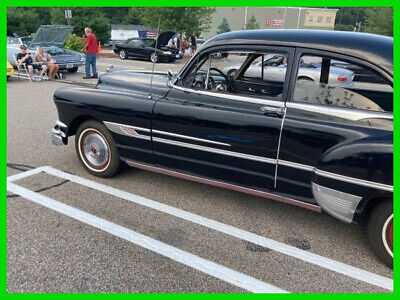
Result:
[[306, 256], [208, 267]]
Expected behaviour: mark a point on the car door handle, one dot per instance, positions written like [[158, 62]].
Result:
[[270, 110], [251, 90]]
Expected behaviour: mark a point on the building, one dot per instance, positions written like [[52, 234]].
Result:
[[120, 32], [273, 18]]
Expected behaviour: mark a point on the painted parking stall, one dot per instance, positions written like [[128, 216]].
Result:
[[244, 281]]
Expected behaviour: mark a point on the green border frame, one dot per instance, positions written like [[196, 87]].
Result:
[[104, 3]]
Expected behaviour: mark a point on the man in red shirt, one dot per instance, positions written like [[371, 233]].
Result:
[[91, 50]]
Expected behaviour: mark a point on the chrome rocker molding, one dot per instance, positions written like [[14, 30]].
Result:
[[338, 204], [132, 131], [224, 185]]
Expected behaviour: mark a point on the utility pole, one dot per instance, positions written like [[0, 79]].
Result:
[[284, 18], [298, 18], [68, 16], [245, 18]]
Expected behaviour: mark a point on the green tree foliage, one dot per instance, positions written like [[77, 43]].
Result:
[[350, 15], [185, 20], [74, 42], [373, 19], [134, 16], [84, 17], [224, 26], [116, 15], [22, 21], [252, 23], [379, 20]]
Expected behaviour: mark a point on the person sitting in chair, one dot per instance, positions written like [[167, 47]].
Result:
[[45, 58], [25, 58]]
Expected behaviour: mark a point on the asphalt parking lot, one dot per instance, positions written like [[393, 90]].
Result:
[[68, 231]]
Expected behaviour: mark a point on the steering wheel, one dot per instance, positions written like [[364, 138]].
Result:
[[211, 80]]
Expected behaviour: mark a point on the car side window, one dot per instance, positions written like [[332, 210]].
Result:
[[134, 42], [239, 73], [325, 81]]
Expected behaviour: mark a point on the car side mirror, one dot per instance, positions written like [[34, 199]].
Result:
[[172, 78], [170, 74]]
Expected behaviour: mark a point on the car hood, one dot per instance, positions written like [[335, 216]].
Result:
[[164, 37], [134, 81], [51, 35]]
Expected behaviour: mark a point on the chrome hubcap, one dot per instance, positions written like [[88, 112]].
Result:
[[95, 149]]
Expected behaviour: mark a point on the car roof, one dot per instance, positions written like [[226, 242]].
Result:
[[376, 49]]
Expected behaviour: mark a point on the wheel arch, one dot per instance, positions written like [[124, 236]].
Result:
[[365, 207], [76, 122]]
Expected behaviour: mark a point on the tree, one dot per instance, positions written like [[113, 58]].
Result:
[[134, 16], [22, 21], [379, 20], [184, 20], [84, 17], [224, 26], [348, 17], [252, 23], [114, 14]]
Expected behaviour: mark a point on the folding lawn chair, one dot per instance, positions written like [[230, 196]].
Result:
[[22, 68]]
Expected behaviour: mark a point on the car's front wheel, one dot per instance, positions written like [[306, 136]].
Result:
[[380, 231], [123, 54], [96, 149]]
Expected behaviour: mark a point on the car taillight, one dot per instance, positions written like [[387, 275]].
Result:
[[342, 78]]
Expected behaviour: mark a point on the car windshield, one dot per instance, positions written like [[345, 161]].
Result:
[[27, 40]]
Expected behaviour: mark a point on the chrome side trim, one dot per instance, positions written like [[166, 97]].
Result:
[[353, 180], [295, 165], [276, 103], [215, 150], [340, 112], [132, 131], [224, 185], [279, 147], [128, 130], [338, 204], [189, 137]]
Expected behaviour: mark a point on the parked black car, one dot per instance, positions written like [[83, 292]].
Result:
[[149, 49], [308, 143]]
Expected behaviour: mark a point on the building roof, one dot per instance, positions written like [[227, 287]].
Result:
[[376, 49]]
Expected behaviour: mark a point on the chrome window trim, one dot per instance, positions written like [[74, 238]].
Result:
[[215, 150], [190, 138], [340, 112], [277, 103], [381, 186]]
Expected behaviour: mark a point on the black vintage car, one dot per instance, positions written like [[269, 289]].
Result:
[[325, 145], [155, 50]]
